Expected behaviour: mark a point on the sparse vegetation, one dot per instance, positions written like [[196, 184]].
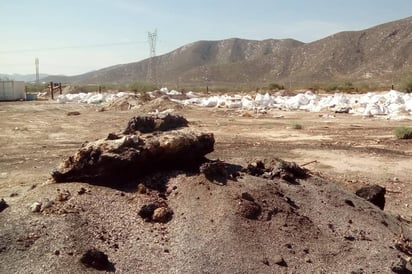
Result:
[[35, 87], [275, 86], [85, 88], [297, 126], [344, 87], [141, 87], [403, 132], [407, 84]]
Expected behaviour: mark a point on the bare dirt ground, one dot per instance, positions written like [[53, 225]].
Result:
[[344, 150]]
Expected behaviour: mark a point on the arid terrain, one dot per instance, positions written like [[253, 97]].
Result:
[[316, 229], [379, 54]]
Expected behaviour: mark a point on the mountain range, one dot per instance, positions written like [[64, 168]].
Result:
[[377, 54], [22, 77]]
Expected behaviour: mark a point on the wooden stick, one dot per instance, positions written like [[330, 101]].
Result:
[[308, 163]]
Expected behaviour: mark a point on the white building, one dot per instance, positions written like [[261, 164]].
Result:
[[12, 90]]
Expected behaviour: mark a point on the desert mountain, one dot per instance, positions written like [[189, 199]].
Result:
[[375, 54], [22, 77]]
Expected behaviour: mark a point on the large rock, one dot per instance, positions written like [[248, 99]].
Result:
[[127, 156], [155, 122], [374, 194]]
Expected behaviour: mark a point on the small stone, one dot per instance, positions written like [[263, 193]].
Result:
[[247, 196], [308, 260], [399, 266], [374, 194], [63, 196], [57, 252], [81, 191], [46, 204], [3, 205], [146, 212], [14, 194], [141, 189], [96, 259], [349, 203], [265, 261], [162, 214], [35, 207], [358, 271], [349, 238], [250, 210], [278, 259]]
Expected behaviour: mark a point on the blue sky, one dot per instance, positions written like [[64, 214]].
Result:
[[75, 36]]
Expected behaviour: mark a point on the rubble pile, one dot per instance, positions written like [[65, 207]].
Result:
[[148, 143]]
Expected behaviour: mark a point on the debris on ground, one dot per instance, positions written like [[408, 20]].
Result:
[[45, 204], [214, 169], [141, 189], [127, 156], [162, 214], [403, 244], [399, 266], [125, 102], [374, 194], [248, 208], [278, 259], [288, 171], [81, 191], [3, 205], [63, 195], [158, 212], [343, 110], [73, 113], [35, 207], [155, 122], [96, 259]]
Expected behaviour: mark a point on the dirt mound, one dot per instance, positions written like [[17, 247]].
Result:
[[126, 102], [159, 104], [173, 221], [127, 156], [253, 225], [155, 122]]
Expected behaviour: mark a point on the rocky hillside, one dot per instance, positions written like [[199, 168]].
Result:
[[372, 54]]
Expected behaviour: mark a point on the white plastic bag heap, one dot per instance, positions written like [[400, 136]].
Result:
[[391, 104]]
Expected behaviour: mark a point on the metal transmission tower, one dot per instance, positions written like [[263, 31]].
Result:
[[36, 61], [151, 70]]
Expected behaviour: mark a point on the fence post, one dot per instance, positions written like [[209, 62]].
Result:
[[51, 90]]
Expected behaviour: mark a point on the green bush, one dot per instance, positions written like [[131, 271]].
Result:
[[407, 85], [275, 86], [345, 87], [141, 87], [35, 87], [297, 126], [403, 132], [85, 88]]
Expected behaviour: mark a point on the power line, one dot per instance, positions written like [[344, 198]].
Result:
[[151, 69], [74, 47], [36, 61]]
